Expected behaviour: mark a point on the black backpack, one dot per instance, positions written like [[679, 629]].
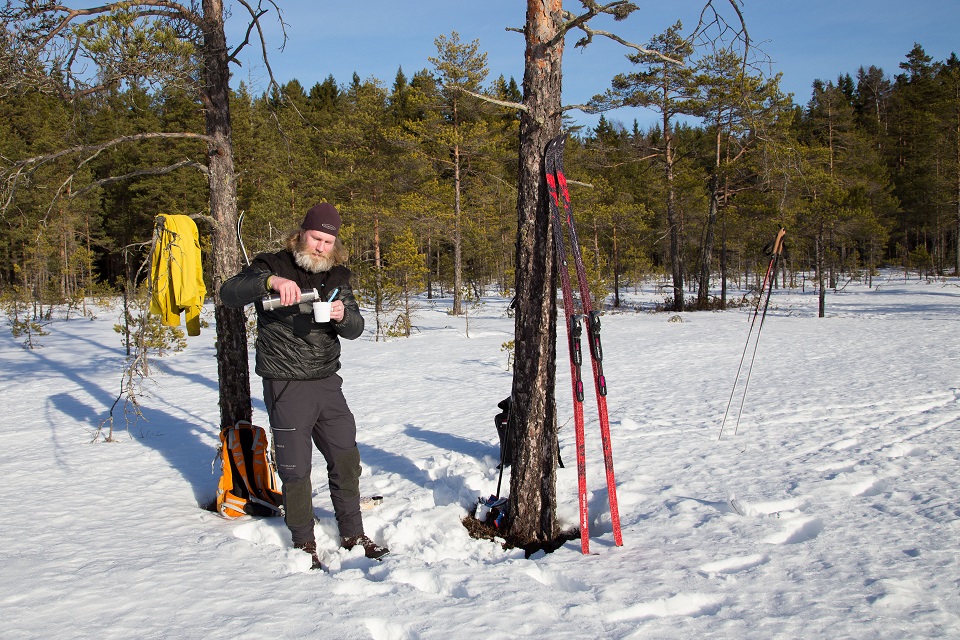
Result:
[[502, 423], [501, 420]]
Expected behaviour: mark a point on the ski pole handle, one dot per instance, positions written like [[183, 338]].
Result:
[[272, 302]]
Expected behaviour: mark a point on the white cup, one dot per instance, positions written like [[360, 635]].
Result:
[[321, 311]]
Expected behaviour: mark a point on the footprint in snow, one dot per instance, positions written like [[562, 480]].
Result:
[[682, 604], [863, 487], [381, 629], [843, 445], [903, 450], [798, 531], [269, 531], [556, 579], [870, 487], [769, 509], [834, 471], [734, 565], [428, 583]]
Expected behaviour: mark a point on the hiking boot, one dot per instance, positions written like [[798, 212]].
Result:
[[311, 548], [370, 548]]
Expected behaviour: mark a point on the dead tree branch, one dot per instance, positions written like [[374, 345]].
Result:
[[153, 171], [22, 168], [619, 9], [503, 103], [711, 18], [255, 15]]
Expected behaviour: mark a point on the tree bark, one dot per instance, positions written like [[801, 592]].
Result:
[[676, 233], [233, 369], [957, 185], [723, 266], [378, 301], [457, 237], [821, 289], [532, 515], [706, 261], [616, 268]]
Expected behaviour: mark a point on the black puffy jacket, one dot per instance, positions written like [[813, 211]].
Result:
[[290, 345]]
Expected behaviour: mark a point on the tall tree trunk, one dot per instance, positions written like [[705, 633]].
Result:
[[457, 237], [428, 259], [233, 368], [822, 290], [533, 413], [616, 269], [723, 265], [957, 192], [706, 261], [378, 279], [676, 237], [831, 259]]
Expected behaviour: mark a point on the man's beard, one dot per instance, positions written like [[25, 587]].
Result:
[[311, 261]]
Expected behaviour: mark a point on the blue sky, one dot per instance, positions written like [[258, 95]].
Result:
[[804, 40]]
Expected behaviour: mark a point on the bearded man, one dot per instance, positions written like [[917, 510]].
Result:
[[298, 359]]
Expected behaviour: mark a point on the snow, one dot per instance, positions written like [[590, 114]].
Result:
[[830, 510]]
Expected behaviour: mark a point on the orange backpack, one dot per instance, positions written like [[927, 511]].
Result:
[[248, 482]]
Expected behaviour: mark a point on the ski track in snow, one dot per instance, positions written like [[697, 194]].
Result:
[[828, 510]]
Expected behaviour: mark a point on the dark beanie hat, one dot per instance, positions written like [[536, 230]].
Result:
[[322, 217]]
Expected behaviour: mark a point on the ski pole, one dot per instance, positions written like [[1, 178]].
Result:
[[771, 268]]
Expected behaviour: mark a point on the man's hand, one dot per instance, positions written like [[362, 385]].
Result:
[[336, 310], [288, 289]]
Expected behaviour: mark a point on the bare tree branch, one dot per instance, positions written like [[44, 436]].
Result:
[[711, 17], [153, 171], [97, 148], [272, 83], [12, 176], [619, 9], [503, 103], [232, 57], [255, 15], [586, 108]]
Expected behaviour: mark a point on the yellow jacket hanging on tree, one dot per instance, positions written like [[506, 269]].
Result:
[[176, 273]]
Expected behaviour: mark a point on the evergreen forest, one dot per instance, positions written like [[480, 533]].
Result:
[[863, 172]]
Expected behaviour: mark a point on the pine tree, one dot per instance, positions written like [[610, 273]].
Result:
[[406, 266], [916, 148], [460, 133], [737, 108], [950, 114], [665, 86]]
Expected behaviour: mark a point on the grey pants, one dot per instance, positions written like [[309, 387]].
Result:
[[302, 411]]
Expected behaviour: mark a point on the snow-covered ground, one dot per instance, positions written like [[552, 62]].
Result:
[[844, 472]]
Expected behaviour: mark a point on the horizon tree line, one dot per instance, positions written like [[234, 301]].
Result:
[[866, 173]]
